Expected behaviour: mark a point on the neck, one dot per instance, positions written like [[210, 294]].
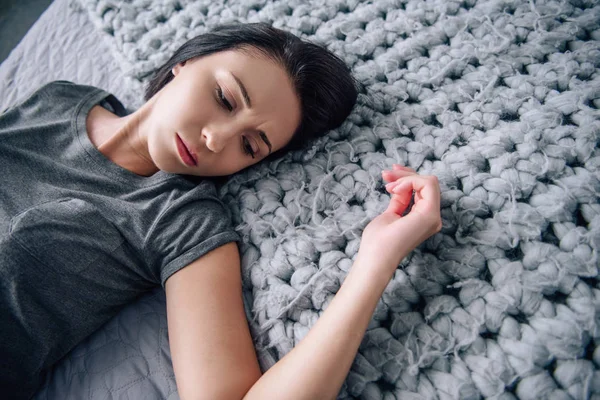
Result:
[[122, 139]]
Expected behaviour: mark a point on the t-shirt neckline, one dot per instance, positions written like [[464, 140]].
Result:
[[91, 151]]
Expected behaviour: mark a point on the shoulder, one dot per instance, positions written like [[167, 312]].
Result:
[[49, 103], [67, 90], [191, 223], [61, 89], [54, 97], [194, 205]]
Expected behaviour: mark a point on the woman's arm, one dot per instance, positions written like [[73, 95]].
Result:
[[213, 354], [317, 366], [212, 351], [211, 347]]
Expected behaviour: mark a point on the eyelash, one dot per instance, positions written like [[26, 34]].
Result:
[[247, 147], [223, 100]]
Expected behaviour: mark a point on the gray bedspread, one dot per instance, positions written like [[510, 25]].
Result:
[[498, 98]]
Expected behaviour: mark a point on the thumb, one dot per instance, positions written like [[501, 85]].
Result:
[[399, 203]]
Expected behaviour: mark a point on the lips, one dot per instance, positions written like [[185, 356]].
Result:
[[187, 156]]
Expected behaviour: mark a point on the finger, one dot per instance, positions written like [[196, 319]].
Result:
[[399, 203], [426, 187], [392, 192], [396, 178], [390, 186], [417, 197], [390, 176]]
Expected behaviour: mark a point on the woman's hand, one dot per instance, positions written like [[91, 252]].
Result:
[[331, 344], [390, 236]]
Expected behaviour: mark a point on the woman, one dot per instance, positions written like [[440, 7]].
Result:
[[99, 206]]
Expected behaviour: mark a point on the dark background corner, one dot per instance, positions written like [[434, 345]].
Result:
[[16, 17]]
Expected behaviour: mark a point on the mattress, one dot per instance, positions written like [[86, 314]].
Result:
[[129, 357], [70, 50]]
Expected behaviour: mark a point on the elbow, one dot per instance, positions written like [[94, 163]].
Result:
[[206, 395], [224, 390]]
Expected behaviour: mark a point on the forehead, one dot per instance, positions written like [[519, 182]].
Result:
[[275, 104]]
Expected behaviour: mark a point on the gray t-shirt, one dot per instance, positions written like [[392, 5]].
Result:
[[80, 236]]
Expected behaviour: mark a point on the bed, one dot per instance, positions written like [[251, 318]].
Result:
[[129, 357], [497, 98]]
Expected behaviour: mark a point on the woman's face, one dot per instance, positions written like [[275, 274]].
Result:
[[228, 110]]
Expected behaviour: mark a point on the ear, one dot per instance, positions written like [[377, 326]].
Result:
[[177, 68]]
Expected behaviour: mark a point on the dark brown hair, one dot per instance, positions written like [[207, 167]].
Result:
[[324, 85]]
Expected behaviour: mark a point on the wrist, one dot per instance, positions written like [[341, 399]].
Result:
[[373, 268], [382, 260]]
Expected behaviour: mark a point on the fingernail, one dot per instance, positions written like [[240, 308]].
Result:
[[396, 166], [390, 186]]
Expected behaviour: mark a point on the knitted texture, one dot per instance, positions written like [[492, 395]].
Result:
[[499, 99]]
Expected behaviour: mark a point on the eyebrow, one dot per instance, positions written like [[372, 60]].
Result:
[[262, 134], [243, 90], [265, 139]]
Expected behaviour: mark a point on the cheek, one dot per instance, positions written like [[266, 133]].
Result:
[[235, 162], [162, 120], [159, 145], [179, 108]]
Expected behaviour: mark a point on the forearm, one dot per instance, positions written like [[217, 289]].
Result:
[[317, 366]]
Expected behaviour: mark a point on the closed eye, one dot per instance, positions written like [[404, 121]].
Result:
[[247, 147], [223, 100]]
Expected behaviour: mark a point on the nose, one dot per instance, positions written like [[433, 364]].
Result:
[[216, 139]]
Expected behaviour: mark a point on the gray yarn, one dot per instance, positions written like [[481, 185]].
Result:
[[500, 100]]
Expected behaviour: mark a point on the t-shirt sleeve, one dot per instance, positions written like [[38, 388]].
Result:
[[47, 103], [185, 232]]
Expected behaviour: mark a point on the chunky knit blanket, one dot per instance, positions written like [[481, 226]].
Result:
[[497, 98]]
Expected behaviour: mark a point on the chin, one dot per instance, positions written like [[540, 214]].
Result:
[[172, 167]]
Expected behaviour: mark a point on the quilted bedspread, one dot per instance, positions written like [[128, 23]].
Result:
[[498, 98]]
